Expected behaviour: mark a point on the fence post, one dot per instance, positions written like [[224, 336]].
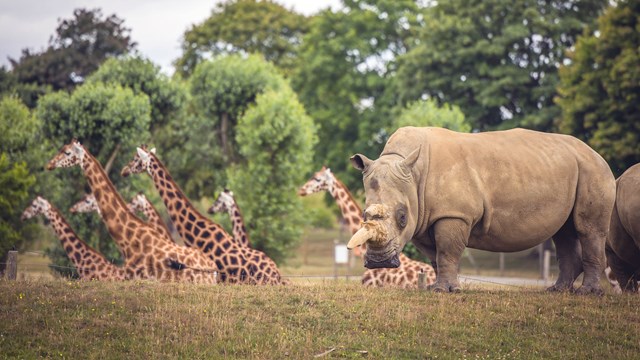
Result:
[[501, 264], [422, 280], [12, 265], [545, 266]]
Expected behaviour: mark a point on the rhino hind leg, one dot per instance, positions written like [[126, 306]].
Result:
[[625, 275], [451, 236], [568, 254]]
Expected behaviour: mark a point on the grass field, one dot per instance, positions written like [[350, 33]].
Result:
[[92, 320]]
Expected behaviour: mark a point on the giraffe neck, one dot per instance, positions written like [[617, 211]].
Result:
[[182, 213], [239, 230], [153, 217], [113, 209], [351, 212], [71, 243]]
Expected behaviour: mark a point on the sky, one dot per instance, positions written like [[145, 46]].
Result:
[[156, 25]]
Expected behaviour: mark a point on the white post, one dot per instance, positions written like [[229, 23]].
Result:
[[545, 265]]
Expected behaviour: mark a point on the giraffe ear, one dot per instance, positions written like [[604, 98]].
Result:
[[153, 150], [143, 154], [77, 147]]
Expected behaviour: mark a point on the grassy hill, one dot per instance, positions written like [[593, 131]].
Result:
[[71, 319]]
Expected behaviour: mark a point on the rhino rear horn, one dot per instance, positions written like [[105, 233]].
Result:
[[360, 162], [410, 160]]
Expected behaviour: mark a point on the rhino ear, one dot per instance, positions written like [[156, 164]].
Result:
[[410, 160], [360, 162]]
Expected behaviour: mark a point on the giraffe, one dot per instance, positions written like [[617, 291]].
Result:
[[147, 254], [89, 263], [236, 263], [226, 202], [406, 275], [137, 203]]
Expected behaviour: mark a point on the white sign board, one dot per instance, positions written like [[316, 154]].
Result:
[[342, 254]]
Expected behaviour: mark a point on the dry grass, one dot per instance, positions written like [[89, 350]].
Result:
[[70, 319]]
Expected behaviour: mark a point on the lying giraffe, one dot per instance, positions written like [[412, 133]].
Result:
[[147, 254], [236, 263], [89, 263], [406, 275], [138, 203], [226, 202]]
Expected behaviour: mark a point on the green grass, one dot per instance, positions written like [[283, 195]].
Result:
[[71, 319]]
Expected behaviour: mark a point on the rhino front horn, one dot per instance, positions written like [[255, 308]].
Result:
[[360, 237]]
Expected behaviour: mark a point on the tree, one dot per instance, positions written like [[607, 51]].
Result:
[[80, 45], [346, 61], [495, 59], [276, 139], [599, 91], [429, 113], [167, 98], [108, 119], [221, 90], [244, 26], [15, 181]]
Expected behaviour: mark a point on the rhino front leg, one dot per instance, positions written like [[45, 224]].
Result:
[[451, 236]]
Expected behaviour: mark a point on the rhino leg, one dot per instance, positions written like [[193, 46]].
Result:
[[622, 272], [451, 235], [568, 253]]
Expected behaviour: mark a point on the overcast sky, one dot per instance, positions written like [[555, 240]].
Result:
[[156, 25]]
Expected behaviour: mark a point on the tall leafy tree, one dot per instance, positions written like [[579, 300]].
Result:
[[599, 91], [220, 90], [346, 62], [496, 59], [244, 26], [276, 140], [78, 48], [108, 119], [19, 158]]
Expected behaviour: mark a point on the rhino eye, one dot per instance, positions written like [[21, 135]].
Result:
[[401, 218]]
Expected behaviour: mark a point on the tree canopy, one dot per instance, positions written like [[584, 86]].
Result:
[[495, 59], [80, 45], [244, 26], [599, 91]]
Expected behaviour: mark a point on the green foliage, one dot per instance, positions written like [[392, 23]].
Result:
[[15, 182], [80, 45], [167, 98], [276, 140], [245, 27], [346, 62], [429, 113], [600, 89], [109, 120], [317, 213], [220, 92], [495, 59]]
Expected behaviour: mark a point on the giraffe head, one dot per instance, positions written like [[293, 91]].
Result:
[[224, 202], [71, 154], [138, 203], [87, 204], [140, 162], [320, 181], [39, 205]]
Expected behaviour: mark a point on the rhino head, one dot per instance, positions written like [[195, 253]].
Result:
[[390, 216]]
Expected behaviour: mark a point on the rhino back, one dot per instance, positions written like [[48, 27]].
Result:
[[628, 202]]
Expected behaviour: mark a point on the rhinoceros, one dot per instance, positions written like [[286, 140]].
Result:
[[499, 191], [623, 243]]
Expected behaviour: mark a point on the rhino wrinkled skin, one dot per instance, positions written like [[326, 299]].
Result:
[[623, 244], [500, 191]]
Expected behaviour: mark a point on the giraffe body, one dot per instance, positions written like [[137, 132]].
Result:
[[236, 263], [404, 276], [90, 264], [147, 254]]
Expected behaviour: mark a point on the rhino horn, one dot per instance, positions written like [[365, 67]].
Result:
[[360, 237]]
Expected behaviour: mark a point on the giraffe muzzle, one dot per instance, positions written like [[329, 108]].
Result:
[[125, 171]]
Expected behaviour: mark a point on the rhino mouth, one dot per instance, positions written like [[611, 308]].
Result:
[[392, 262]]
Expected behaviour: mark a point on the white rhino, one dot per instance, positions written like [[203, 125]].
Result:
[[623, 244], [498, 191]]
